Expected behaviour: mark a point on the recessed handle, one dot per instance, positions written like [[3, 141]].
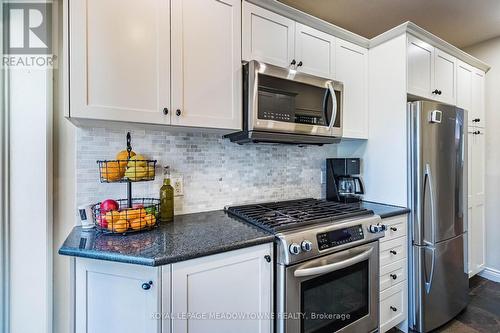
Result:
[[393, 252], [147, 285], [393, 308], [178, 112], [165, 111], [393, 276], [394, 229]]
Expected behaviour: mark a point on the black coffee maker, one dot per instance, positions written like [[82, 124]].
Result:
[[343, 183]]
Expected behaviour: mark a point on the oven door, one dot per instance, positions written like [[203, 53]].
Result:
[[287, 101], [335, 293]]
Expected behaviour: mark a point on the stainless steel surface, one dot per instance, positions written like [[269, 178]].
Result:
[[256, 124], [288, 238], [448, 294], [438, 279], [289, 282], [331, 266]]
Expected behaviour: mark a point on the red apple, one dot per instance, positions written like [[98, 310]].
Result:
[[137, 206], [108, 205]]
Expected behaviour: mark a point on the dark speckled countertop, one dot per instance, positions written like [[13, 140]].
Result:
[[189, 236], [384, 211]]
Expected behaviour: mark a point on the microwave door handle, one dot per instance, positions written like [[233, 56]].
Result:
[[334, 266], [334, 104]]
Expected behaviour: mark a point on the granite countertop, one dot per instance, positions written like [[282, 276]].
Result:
[[382, 209], [189, 236]]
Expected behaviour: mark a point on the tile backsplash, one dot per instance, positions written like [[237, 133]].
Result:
[[215, 171]]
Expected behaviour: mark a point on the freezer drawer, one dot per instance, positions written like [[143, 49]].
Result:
[[440, 283]]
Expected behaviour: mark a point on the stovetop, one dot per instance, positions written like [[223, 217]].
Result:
[[292, 214]]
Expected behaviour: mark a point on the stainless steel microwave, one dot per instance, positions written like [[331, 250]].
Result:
[[283, 105]]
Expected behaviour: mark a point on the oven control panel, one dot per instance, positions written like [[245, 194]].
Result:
[[339, 237]]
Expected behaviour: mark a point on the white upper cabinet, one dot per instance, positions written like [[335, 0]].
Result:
[[420, 67], [206, 63], [233, 282], [431, 72], [444, 76], [477, 105], [352, 70], [464, 86], [119, 60], [267, 37], [314, 51]]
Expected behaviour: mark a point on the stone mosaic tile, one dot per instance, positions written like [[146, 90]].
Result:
[[215, 171]]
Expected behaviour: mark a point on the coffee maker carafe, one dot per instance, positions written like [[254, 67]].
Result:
[[343, 182]]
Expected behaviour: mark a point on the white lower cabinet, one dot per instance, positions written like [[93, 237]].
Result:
[[393, 273], [224, 293], [232, 291], [116, 297]]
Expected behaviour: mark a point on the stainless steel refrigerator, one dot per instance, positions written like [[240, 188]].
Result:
[[438, 279]]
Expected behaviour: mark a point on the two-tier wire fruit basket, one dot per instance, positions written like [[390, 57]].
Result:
[[130, 214]]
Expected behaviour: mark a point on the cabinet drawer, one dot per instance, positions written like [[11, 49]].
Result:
[[392, 274], [392, 251], [392, 306], [396, 227]]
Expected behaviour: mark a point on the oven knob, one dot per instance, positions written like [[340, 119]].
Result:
[[306, 245], [294, 248]]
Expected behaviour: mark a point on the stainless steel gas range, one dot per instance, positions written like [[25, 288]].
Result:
[[327, 264]]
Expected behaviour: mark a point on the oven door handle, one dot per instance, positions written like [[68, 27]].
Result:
[[333, 266]]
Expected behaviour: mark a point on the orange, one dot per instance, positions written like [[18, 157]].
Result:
[[123, 155], [118, 226], [112, 171]]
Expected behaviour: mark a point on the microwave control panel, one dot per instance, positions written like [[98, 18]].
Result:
[[276, 116], [339, 237]]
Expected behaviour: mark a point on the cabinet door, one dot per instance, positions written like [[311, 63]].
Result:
[[352, 70], [206, 63], [314, 51], [477, 227], [119, 60], [444, 77], [231, 283], [464, 87], [267, 37], [110, 297], [420, 68], [477, 112], [470, 165]]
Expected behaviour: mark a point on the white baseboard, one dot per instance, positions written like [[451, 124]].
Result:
[[490, 274]]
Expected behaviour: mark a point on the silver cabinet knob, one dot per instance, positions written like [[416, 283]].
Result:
[[294, 248], [306, 246]]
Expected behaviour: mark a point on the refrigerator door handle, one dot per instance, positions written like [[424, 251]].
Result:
[[428, 180], [428, 283]]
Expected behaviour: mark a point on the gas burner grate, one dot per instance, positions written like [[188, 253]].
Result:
[[285, 215]]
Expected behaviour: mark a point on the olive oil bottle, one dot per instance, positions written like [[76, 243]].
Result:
[[166, 199]]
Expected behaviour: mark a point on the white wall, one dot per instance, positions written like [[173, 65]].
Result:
[[30, 201], [489, 52]]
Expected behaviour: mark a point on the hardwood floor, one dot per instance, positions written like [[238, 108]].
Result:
[[482, 315]]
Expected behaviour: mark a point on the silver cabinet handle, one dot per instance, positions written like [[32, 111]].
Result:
[[334, 266]]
